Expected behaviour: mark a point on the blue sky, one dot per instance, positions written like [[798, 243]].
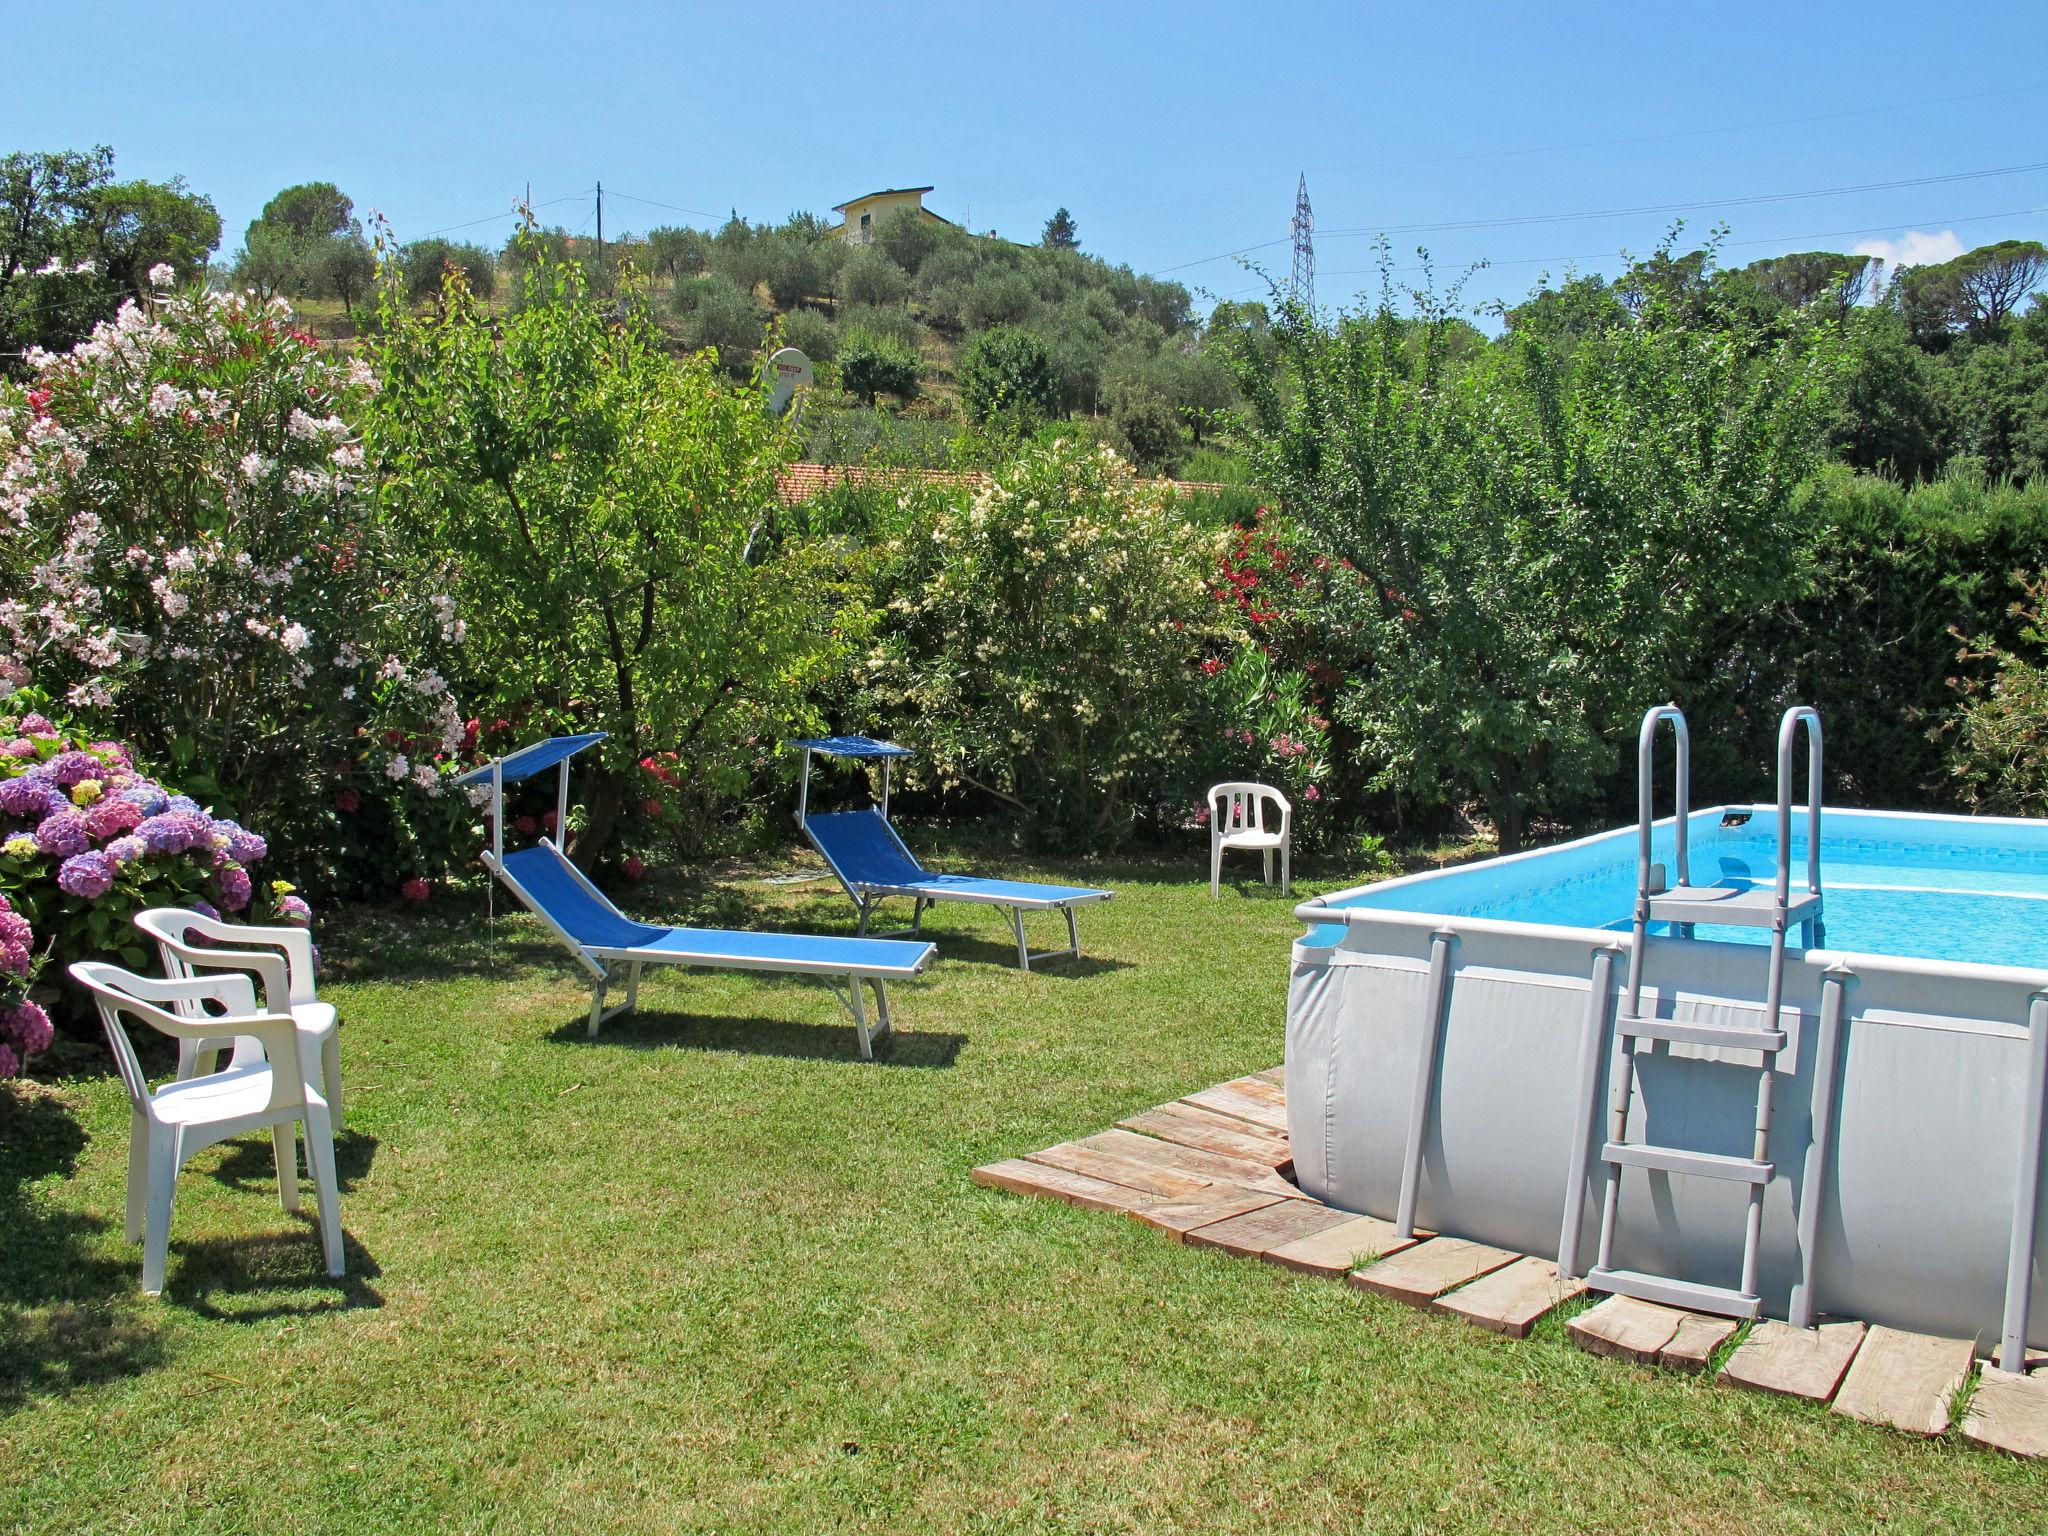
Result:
[[1174, 132]]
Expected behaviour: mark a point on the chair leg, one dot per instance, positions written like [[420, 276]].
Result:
[[1017, 922], [633, 988], [596, 1008], [1267, 879], [284, 1147], [1286, 869], [138, 1173], [857, 1005], [156, 1231], [1215, 870], [330, 1075], [326, 1191], [884, 1025]]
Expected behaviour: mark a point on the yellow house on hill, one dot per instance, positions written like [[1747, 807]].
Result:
[[862, 216]]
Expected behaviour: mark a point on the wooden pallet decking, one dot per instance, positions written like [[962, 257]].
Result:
[[1212, 1170]]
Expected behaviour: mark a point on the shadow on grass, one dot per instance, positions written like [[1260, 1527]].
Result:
[[661, 1030], [67, 1318], [251, 1167], [256, 1279], [976, 951]]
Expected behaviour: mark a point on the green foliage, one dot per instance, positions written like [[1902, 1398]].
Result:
[[870, 277], [717, 313], [1042, 643], [600, 504], [424, 262], [793, 270], [307, 243], [2002, 729], [74, 243], [997, 298], [1060, 234], [872, 365], [1008, 373], [1539, 542], [674, 252], [907, 237], [811, 333], [1151, 429]]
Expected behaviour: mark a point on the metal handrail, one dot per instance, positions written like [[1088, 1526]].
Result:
[[1646, 746], [1788, 734]]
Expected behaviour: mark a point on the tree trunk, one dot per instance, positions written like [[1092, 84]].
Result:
[[601, 817], [1506, 808]]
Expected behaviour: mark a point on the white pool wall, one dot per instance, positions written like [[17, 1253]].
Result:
[[1922, 1167]]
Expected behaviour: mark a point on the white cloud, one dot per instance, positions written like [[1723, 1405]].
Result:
[[1915, 248]]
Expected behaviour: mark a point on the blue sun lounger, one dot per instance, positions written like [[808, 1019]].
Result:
[[605, 941], [872, 863]]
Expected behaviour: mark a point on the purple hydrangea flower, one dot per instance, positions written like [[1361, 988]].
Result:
[[90, 875], [69, 768], [168, 833], [203, 907], [62, 833], [184, 803], [294, 910], [147, 798], [235, 888], [28, 1027], [36, 725], [13, 958], [126, 850], [243, 846], [30, 797], [10, 1064]]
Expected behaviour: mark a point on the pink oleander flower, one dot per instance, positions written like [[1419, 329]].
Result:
[[415, 889], [1311, 794], [634, 866]]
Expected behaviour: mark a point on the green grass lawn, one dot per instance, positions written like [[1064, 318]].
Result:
[[711, 1272]]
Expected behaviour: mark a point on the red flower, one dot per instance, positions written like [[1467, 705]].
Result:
[[348, 802], [650, 807], [526, 825], [634, 866], [393, 737], [415, 889], [548, 821], [1212, 666]]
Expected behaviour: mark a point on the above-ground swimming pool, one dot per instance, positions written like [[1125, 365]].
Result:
[[1908, 1097]]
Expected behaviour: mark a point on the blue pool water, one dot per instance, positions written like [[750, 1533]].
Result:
[[1925, 887]]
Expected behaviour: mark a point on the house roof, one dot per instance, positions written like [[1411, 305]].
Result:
[[885, 192]]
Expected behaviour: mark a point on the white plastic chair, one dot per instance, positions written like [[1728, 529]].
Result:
[[282, 959], [168, 1125], [1237, 819]]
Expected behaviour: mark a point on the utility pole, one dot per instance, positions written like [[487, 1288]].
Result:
[[600, 226], [1304, 248]]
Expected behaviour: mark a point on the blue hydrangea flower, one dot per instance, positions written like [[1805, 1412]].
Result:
[[147, 798]]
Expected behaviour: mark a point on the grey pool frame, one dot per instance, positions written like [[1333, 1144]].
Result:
[[1435, 1064]]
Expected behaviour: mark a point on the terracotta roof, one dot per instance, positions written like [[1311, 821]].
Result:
[[800, 482]]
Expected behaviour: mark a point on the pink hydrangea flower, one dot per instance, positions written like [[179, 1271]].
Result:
[[28, 1027], [235, 888]]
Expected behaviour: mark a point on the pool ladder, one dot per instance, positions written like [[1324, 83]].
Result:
[[1684, 904]]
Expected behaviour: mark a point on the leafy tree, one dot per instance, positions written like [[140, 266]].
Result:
[[872, 365], [739, 252], [599, 500], [794, 272], [1059, 233], [1996, 280], [1008, 372], [308, 212], [1152, 430], [870, 277], [1534, 546], [1891, 417], [1809, 277], [811, 333], [307, 242], [74, 244], [1996, 396], [716, 312], [1580, 306], [424, 262], [907, 237], [674, 252], [2002, 727], [338, 266]]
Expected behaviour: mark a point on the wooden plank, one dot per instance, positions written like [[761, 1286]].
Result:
[[1177, 1218], [1256, 1233], [1023, 1178], [1510, 1299], [1420, 1274], [1906, 1380], [1213, 1166], [1698, 1336], [1776, 1357], [1626, 1329], [1336, 1251], [1212, 1133], [2009, 1413], [1256, 1087], [1274, 1075], [1149, 1177], [1225, 1100]]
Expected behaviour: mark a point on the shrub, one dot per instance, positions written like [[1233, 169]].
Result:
[[907, 237], [1270, 728], [871, 365], [2002, 729], [87, 840], [997, 298], [898, 325], [718, 313], [185, 494], [425, 260], [1008, 373], [1152, 429], [1043, 642]]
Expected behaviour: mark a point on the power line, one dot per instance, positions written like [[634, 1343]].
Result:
[[1551, 149], [1608, 213], [672, 207], [510, 213]]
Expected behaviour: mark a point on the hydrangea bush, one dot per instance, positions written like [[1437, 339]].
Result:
[[1042, 641], [87, 840], [191, 563]]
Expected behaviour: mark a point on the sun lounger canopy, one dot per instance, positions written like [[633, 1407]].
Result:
[[851, 746], [528, 761]]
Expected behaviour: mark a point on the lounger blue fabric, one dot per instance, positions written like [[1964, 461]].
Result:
[[866, 851], [595, 925], [528, 761]]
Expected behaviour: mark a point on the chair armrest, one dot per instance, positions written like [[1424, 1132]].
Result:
[[265, 965], [297, 945]]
